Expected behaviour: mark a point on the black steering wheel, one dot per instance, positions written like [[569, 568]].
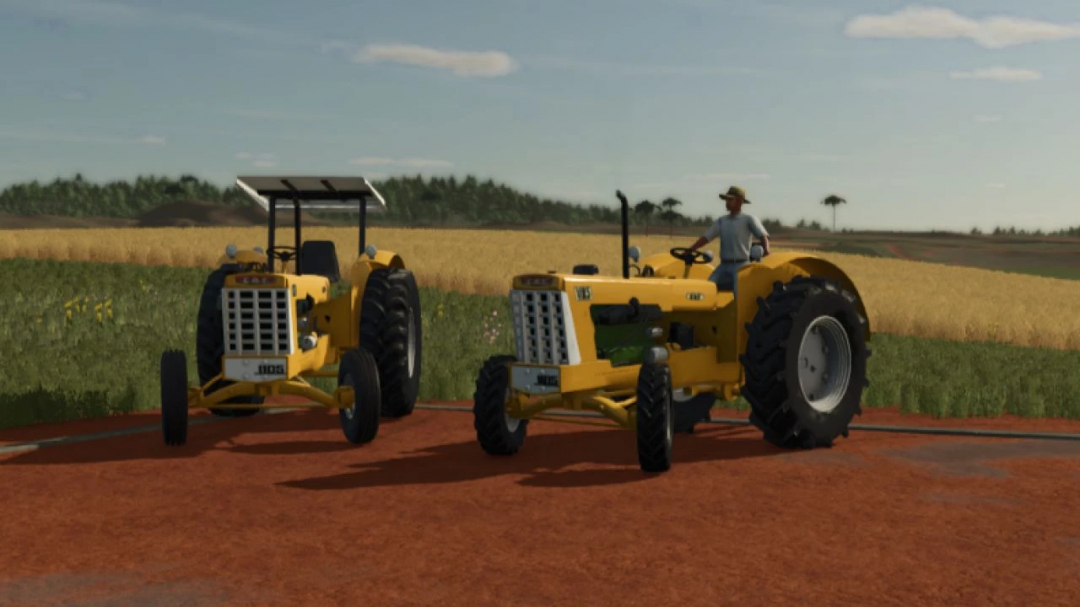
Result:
[[282, 253], [689, 256]]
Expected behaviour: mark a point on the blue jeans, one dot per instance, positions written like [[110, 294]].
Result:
[[724, 276]]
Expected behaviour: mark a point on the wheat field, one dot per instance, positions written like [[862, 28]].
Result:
[[902, 297]]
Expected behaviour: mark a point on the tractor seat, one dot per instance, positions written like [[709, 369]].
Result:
[[319, 257]]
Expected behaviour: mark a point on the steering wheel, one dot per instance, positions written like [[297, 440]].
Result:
[[285, 254], [690, 256]]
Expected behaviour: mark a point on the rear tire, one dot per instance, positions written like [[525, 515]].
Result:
[[390, 330], [210, 344], [496, 431], [174, 404], [805, 363], [360, 422], [655, 417]]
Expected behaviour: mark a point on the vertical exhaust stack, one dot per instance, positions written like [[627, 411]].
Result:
[[625, 234]]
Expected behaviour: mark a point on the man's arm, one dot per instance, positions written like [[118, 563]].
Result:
[[710, 234], [759, 231]]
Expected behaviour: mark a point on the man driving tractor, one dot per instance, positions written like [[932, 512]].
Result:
[[736, 231]]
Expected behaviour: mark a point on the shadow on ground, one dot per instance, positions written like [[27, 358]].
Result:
[[606, 457], [218, 435]]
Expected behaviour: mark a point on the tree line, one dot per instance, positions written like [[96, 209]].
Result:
[[411, 200]]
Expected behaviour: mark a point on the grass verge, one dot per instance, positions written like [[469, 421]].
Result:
[[83, 339]]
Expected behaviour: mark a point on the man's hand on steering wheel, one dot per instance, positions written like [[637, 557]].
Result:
[[690, 256]]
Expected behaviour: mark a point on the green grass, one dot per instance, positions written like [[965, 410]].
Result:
[[57, 368]]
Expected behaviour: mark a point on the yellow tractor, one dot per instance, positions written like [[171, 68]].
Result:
[[655, 349], [264, 331]]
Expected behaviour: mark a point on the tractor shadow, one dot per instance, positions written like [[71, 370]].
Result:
[[556, 460], [219, 435]]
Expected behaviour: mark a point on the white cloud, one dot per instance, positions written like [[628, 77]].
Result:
[[1001, 74], [986, 119], [483, 64], [416, 163], [51, 137], [264, 164], [152, 140], [924, 22]]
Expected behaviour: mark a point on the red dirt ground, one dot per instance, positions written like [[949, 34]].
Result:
[[280, 510]]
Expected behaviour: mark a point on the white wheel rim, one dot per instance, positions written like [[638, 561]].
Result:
[[512, 423], [824, 364], [681, 395], [669, 423], [410, 348]]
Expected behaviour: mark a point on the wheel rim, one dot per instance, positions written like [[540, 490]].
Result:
[[824, 363], [669, 423], [512, 423], [682, 395], [411, 346]]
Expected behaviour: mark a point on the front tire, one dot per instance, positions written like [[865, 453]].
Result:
[[174, 404], [805, 363], [655, 417], [210, 344], [360, 422], [390, 330], [496, 431]]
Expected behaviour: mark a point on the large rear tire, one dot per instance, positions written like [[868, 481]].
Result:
[[390, 330], [174, 404], [360, 422], [805, 363], [655, 417], [210, 344], [496, 431]]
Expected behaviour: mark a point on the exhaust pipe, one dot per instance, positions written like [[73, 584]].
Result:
[[625, 234]]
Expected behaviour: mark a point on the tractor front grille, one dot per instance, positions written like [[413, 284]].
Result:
[[258, 321], [543, 328]]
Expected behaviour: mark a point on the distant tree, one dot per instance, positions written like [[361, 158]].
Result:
[[645, 209], [976, 231], [670, 215], [832, 200]]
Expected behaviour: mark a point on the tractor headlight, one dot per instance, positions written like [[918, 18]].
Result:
[[634, 253], [371, 251], [308, 342], [230, 251]]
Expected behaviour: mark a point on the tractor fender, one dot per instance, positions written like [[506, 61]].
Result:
[[756, 280], [358, 276]]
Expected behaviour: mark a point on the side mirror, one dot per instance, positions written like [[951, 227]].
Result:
[[634, 253], [756, 252]]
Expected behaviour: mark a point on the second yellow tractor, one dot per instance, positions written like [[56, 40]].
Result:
[[655, 349]]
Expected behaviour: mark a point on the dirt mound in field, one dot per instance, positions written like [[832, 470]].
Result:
[[201, 213]]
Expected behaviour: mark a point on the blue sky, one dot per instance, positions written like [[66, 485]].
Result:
[[948, 115]]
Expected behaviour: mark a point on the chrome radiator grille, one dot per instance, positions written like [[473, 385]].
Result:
[[543, 328], [258, 321]]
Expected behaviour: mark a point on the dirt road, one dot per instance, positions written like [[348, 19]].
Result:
[[280, 510]]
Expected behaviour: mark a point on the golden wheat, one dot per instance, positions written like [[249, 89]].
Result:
[[902, 297]]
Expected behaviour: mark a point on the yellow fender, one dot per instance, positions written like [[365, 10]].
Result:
[[756, 280], [358, 276]]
